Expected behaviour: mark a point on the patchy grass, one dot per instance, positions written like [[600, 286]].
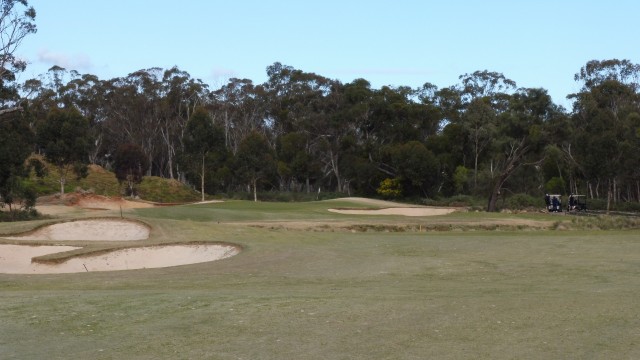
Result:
[[324, 295]]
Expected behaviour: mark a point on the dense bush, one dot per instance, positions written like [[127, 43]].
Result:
[[523, 201]]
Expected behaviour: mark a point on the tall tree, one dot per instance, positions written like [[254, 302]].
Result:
[[17, 21], [65, 142], [129, 165], [255, 161], [520, 137], [16, 144], [202, 140], [608, 105]]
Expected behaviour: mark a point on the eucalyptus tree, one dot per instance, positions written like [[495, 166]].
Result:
[[180, 96], [16, 144], [64, 139], [483, 95], [297, 164], [129, 165], [520, 137], [203, 146], [314, 105], [240, 108], [255, 161], [17, 21], [606, 117], [85, 92], [134, 106], [415, 166]]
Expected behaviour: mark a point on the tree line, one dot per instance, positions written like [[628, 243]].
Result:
[[301, 132]]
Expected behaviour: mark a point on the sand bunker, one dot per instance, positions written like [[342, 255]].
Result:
[[17, 259], [404, 211], [91, 230]]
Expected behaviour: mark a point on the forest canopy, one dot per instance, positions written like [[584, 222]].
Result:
[[483, 136]]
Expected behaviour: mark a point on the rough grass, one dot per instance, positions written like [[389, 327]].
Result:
[[322, 295]]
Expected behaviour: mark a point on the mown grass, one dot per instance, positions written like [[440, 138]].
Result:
[[322, 295]]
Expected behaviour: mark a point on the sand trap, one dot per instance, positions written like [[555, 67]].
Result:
[[404, 211], [16, 259], [91, 230]]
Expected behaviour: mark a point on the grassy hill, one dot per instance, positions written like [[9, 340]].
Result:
[[103, 182]]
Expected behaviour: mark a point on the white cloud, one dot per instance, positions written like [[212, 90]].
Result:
[[69, 62]]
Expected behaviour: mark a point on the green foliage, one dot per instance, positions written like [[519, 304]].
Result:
[[17, 20], [390, 188], [460, 179], [16, 141], [204, 152], [255, 162], [416, 166], [130, 164], [19, 215], [480, 137], [555, 185], [64, 139], [524, 201]]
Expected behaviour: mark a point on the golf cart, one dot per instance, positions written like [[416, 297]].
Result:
[[577, 203], [553, 202]]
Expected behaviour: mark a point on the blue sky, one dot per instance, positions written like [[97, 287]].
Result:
[[402, 42]]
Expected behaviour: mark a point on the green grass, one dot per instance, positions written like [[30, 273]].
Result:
[[295, 294]]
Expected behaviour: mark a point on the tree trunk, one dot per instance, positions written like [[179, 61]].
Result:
[[202, 179], [475, 172], [255, 190], [608, 196], [493, 198], [63, 179]]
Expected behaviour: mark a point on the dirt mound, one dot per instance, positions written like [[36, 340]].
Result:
[[88, 200], [93, 201]]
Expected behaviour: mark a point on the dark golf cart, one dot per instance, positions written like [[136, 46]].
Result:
[[553, 202], [577, 203]]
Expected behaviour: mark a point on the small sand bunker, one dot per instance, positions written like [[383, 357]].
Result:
[[17, 259], [404, 211], [91, 230]]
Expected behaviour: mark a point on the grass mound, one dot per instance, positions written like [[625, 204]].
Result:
[[101, 181]]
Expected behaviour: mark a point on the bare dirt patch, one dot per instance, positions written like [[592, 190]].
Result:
[[90, 230], [18, 259]]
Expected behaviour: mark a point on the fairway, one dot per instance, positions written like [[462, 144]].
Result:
[[313, 284]]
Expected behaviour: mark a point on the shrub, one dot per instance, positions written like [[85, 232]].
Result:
[[390, 188], [522, 201], [555, 185]]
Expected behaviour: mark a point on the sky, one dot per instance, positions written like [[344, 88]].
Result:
[[538, 44]]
